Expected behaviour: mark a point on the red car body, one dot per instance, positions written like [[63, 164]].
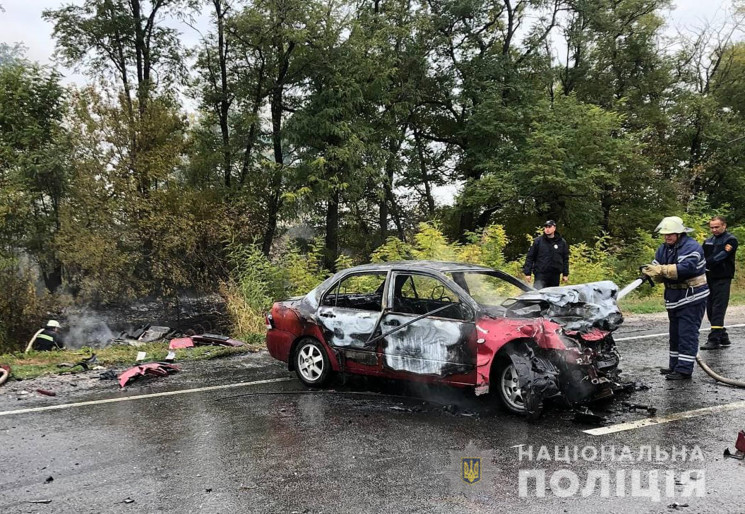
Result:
[[443, 336]]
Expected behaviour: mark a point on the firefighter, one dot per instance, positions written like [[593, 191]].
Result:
[[679, 263], [48, 338], [720, 251]]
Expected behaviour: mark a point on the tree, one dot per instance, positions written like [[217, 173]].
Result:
[[33, 163], [484, 80]]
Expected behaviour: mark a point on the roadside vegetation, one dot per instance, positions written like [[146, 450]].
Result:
[[257, 280], [34, 364], [322, 134]]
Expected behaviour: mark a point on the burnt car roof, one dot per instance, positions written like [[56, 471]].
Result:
[[441, 266]]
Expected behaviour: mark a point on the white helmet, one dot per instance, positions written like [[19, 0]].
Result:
[[672, 225], [53, 323]]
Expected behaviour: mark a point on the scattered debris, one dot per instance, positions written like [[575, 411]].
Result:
[[159, 369], [171, 356], [49, 480], [203, 340], [128, 500], [4, 373], [108, 375], [676, 505], [637, 406], [46, 392], [140, 356], [83, 363], [40, 501], [586, 416], [739, 448], [145, 334]]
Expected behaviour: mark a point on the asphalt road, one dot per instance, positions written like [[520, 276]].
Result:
[[368, 446]]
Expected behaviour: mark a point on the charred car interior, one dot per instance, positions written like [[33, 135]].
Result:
[[457, 324]]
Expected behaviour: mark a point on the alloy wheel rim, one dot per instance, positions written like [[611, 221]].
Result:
[[310, 362], [511, 388]]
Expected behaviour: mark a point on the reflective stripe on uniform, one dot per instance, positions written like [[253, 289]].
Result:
[[46, 337], [687, 299]]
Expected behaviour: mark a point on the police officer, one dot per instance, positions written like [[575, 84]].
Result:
[[719, 250], [680, 264], [548, 258], [48, 338]]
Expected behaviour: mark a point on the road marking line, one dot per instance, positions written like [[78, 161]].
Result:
[[631, 425], [143, 396], [666, 334]]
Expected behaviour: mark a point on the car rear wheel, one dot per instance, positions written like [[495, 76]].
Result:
[[508, 387], [311, 363]]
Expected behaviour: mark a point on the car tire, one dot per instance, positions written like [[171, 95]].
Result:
[[508, 386], [311, 363]]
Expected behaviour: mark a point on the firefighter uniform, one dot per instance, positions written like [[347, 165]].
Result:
[[686, 291]]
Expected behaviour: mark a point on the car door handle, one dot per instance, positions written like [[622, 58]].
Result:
[[392, 323], [327, 315]]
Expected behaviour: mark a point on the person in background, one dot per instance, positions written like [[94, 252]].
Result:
[[679, 263], [719, 250], [48, 338], [548, 258]]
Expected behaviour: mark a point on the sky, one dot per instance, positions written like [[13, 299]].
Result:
[[21, 21]]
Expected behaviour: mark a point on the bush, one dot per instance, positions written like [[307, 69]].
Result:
[[22, 311]]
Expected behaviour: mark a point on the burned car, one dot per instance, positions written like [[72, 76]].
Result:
[[457, 324]]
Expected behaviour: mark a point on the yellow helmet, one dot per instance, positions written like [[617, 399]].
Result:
[[672, 225]]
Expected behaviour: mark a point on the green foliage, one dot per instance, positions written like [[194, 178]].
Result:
[[430, 244], [22, 311], [591, 262], [342, 119], [33, 174], [392, 250]]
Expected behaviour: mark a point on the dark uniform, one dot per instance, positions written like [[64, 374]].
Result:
[[548, 259], [720, 270], [46, 340], [685, 300]]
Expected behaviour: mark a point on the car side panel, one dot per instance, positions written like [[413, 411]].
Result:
[[496, 333], [429, 346]]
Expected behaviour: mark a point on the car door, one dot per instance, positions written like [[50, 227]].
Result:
[[349, 313], [428, 328]]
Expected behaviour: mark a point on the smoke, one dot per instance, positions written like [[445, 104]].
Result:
[[87, 329]]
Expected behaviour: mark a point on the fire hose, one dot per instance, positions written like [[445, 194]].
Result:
[[719, 378]]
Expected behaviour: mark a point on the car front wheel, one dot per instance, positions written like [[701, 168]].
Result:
[[508, 387], [311, 363]]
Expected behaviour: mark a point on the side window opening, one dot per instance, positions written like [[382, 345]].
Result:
[[363, 291], [421, 294]]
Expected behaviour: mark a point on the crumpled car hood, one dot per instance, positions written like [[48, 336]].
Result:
[[580, 307]]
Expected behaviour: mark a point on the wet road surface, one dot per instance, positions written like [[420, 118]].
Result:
[[369, 445]]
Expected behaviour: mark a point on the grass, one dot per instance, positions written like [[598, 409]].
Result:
[[651, 304], [34, 364]]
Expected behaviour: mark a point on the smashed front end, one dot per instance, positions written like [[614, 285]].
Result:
[[575, 358]]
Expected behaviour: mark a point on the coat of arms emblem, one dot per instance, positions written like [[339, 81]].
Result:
[[471, 470]]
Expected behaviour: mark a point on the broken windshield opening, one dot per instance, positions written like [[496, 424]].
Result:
[[488, 289]]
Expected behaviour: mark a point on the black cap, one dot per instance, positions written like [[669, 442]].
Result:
[[550, 223]]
